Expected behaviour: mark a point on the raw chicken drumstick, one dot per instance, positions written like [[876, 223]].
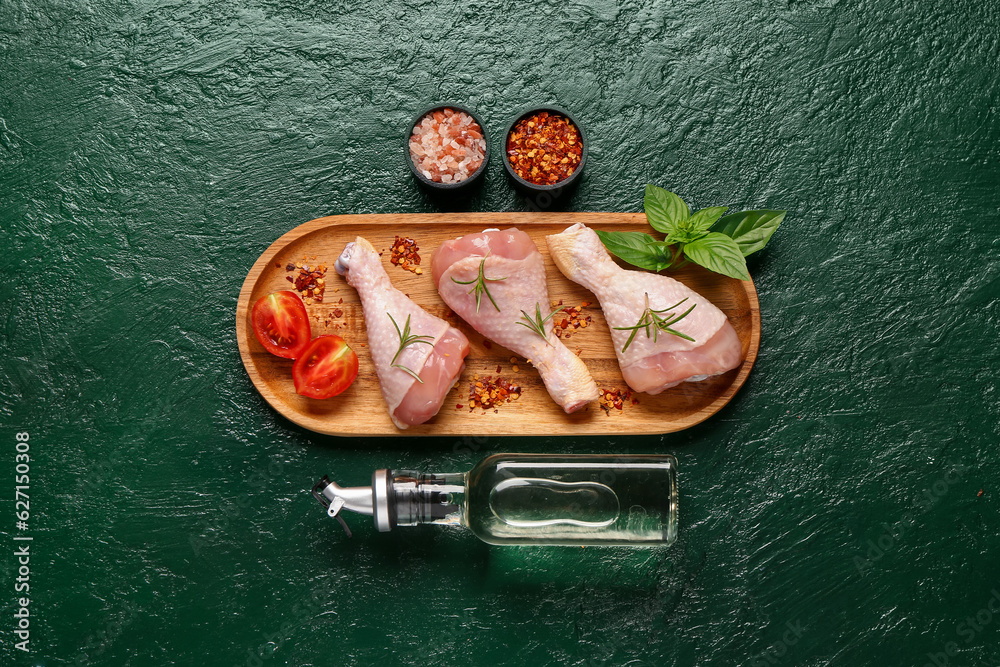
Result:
[[436, 351], [652, 358], [491, 280]]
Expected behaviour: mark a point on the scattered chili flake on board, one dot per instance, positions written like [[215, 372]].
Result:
[[615, 399], [574, 319], [489, 393], [544, 148], [309, 280], [404, 255], [980, 494]]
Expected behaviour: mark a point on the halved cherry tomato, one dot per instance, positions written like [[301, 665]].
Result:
[[326, 368], [281, 324]]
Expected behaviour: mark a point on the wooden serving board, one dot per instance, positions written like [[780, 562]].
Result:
[[361, 411]]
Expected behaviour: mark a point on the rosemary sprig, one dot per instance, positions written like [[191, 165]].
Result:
[[537, 324], [405, 340], [652, 318], [479, 286]]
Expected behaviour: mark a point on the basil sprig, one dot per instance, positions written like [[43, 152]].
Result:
[[718, 242]]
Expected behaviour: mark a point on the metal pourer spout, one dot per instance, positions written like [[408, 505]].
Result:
[[370, 500]]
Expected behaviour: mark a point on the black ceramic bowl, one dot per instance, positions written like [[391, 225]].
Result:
[[475, 177], [528, 186]]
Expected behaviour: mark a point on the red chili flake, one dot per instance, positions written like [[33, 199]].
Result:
[[458, 406], [575, 319], [489, 393], [337, 312], [404, 255], [979, 495], [544, 148], [614, 399], [309, 281]]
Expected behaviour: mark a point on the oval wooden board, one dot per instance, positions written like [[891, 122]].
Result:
[[360, 410]]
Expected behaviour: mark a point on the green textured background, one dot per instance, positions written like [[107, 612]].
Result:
[[150, 151]]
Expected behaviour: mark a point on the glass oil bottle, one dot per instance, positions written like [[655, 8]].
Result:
[[538, 499]]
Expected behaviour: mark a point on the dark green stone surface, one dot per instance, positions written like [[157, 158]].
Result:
[[149, 152]]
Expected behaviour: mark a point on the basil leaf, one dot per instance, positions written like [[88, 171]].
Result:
[[664, 210], [635, 248], [701, 220], [683, 236], [750, 229], [717, 252]]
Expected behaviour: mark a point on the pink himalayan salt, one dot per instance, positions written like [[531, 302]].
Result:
[[447, 146]]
